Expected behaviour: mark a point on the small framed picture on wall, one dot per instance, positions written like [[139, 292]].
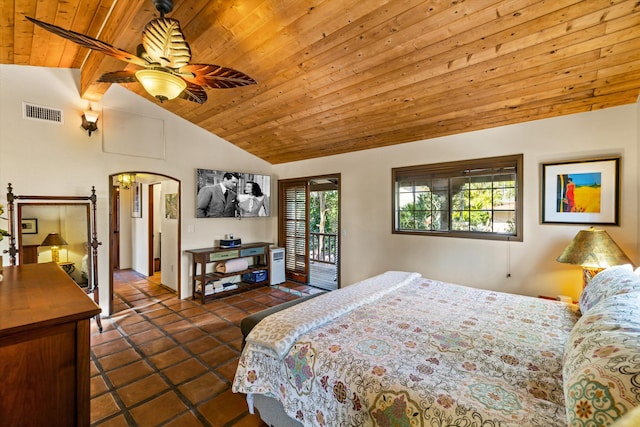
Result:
[[29, 226], [136, 200]]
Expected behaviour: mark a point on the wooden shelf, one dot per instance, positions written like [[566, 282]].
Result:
[[201, 258]]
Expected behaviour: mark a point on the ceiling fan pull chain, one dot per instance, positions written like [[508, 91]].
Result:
[[163, 6]]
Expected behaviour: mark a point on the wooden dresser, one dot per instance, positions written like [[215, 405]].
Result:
[[44, 347]]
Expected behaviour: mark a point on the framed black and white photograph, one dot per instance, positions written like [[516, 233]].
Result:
[[224, 194], [29, 226], [136, 200], [581, 191]]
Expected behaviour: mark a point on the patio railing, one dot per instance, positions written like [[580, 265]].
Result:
[[323, 247]]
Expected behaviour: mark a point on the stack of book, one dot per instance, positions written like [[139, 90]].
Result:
[[216, 287]]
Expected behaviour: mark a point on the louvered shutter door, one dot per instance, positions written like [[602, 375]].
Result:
[[293, 229]]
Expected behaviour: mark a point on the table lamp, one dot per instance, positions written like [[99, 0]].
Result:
[[593, 250], [54, 240]]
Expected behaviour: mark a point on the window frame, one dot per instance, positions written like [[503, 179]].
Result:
[[450, 171]]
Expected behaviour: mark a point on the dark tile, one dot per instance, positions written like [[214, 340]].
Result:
[[157, 346], [183, 371], [129, 373], [168, 358], [203, 387], [98, 386], [117, 360], [102, 407], [110, 347], [158, 410], [142, 389], [150, 335], [202, 345], [234, 405], [189, 335], [218, 356], [188, 419]]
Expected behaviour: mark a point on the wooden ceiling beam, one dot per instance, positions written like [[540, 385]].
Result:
[[118, 32]]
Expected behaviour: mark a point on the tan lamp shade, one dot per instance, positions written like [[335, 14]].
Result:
[[54, 240], [593, 250]]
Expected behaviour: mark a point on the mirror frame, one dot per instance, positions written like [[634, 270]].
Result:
[[83, 207], [90, 203]]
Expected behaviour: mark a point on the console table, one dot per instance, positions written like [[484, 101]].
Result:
[[201, 275], [44, 347]]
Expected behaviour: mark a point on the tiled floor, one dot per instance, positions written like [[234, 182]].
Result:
[[162, 361]]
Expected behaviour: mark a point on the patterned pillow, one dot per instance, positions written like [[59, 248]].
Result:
[[612, 281], [601, 368]]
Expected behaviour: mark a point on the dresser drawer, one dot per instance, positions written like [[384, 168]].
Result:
[[217, 256], [252, 251]]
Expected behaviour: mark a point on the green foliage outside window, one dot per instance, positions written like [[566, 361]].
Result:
[[481, 198]]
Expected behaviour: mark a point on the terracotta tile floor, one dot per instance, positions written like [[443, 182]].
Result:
[[162, 361]]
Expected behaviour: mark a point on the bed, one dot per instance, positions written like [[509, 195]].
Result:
[[402, 350]]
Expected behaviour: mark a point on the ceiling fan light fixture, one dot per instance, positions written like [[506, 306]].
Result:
[[161, 84]]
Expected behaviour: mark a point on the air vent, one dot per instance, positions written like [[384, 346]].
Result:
[[38, 112]]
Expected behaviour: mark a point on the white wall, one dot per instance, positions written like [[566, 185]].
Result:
[[369, 247], [51, 159]]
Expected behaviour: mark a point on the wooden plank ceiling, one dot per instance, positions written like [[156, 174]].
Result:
[[337, 76]]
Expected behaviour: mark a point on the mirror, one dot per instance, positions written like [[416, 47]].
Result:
[[56, 232], [59, 229]]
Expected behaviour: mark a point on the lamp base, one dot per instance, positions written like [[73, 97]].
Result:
[[55, 254], [588, 274]]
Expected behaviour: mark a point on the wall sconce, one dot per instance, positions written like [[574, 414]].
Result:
[[54, 240], [125, 180], [90, 120], [593, 250]]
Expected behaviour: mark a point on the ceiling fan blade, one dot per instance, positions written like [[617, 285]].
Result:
[[124, 76], [194, 93], [91, 43], [215, 76], [165, 44]]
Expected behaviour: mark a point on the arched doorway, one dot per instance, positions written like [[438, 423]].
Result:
[[144, 226]]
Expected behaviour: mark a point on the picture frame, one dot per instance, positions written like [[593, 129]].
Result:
[[29, 226], [136, 200], [171, 206], [581, 191], [226, 194]]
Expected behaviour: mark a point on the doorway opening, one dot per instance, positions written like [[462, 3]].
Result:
[[145, 228], [309, 229]]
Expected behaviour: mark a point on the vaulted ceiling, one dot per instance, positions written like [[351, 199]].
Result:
[[336, 76]]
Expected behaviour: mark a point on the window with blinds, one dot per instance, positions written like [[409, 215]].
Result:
[[480, 198]]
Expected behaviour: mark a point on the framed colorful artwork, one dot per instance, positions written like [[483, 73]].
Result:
[[581, 191]]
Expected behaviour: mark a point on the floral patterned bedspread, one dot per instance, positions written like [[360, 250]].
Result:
[[427, 354]]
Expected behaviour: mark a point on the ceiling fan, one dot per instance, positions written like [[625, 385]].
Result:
[[164, 55]]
